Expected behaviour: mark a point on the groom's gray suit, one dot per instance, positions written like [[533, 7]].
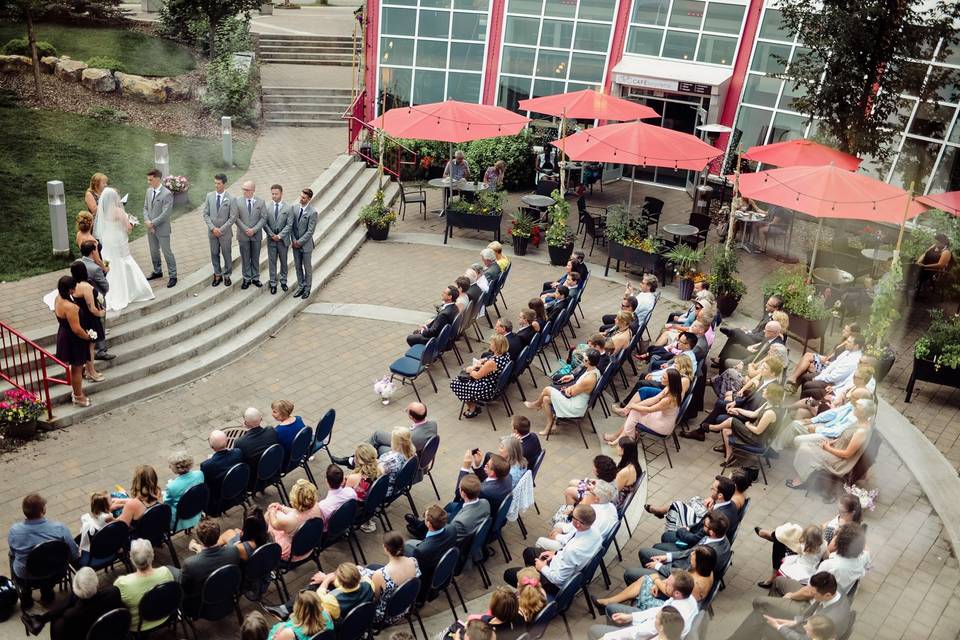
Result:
[[220, 218], [249, 213], [304, 222], [278, 222], [157, 209]]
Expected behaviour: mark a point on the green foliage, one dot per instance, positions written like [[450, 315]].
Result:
[[941, 342], [685, 259], [559, 234], [231, 91], [108, 114], [106, 62], [522, 225], [190, 21], [623, 228], [71, 11], [377, 214], [21, 47], [486, 203], [800, 298], [883, 309], [723, 276]]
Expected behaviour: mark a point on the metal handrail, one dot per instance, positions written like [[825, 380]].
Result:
[[24, 366], [355, 124]]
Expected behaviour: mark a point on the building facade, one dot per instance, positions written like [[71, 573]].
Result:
[[695, 62]]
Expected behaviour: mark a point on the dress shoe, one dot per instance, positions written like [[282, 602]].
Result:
[[245, 285], [340, 461], [257, 284], [105, 356], [155, 275], [296, 294], [216, 281], [283, 285], [305, 294], [171, 283], [273, 289], [696, 434], [32, 623], [411, 519], [279, 611], [226, 281]]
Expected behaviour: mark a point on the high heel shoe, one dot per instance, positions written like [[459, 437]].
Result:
[[85, 402], [94, 377]]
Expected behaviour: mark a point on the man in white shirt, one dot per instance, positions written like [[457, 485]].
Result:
[[839, 372], [601, 496], [639, 302], [337, 494], [641, 625]]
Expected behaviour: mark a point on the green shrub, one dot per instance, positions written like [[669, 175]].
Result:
[[108, 114], [21, 47], [231, 91], [106, 62]]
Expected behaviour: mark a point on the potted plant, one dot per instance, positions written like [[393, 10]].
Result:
[[808, 313], [936, 356], [485, 213], [179, 186], [883, 312], [629, 243], [19, 412], [559, 236], [724, 283], [377, 216], [520, 230], [685, 259]]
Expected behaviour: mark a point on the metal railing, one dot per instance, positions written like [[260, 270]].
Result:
[[23, 365], [356, 125]]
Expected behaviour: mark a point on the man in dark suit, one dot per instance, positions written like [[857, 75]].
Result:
[[216, 466], [528, 440], [721, 492], [559, 303], [772, 334], [445, 315], [428, 552], [525, 332], [255, 441], [196, 569], [505, 328], [495, 484], [462, 526], [737, 337], [657, 561]]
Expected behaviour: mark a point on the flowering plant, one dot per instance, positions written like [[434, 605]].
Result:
[[536, 235], [19, 406], [177, 184], [867, 497], [522, 226], [384, 387]]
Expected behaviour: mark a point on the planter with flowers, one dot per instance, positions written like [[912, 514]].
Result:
[[19, 412], [629, 243], [559, 236], [685, 259], [377, 216], [520, 231], [179, 186], [936, 356], [809, 316], [485, 213]]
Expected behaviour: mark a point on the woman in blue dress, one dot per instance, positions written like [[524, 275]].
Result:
[[307, 620], [181, 464], [288, 425]]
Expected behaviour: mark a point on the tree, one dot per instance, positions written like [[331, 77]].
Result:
[[854, 66], [213, 11]]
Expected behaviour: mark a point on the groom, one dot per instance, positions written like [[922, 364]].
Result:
[[157, 209]]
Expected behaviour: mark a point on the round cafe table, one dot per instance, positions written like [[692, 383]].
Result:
[[748, 219], [472, 187], [681, 230], [537, 202], [832, 276], [879, 256], [445, 184]]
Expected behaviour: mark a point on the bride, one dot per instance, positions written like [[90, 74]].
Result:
[[126, 280]]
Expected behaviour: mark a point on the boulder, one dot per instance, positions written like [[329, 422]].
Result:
[[177, 87], [99, 80], [140, 88], [71, 70], [48, 64], [15, 64]]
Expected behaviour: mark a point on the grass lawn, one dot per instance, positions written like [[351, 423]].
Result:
[[141, 54], [38, 145]]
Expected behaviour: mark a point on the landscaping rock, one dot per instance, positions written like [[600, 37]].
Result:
[[15, 64], [177, 88], [48, 64], [68, 69], [99, 80], [140, 88]]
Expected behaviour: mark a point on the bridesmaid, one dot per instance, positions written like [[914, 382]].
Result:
[[73, 343], [91, 314], [84, 233], [98, 182]]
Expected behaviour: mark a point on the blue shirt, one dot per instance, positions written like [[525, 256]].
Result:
[[516, 472], [174, 491], [287, 432], [25, 535], [831, 423]]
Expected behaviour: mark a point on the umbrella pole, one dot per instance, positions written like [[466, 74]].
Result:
[[562, 163], [816, 245], [732, 218], [383, 141], [903, 223], [633, 173]]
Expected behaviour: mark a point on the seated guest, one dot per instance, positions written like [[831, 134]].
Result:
[[580, 265], [198, 568], [495, 484], [502, 616], [812, 363], [689, 515], [756, 430], [862, 385], [504, 328], [525, 330], [802, 563], [479, 383], [388, 578], [491, 270], [254, 627], [568, 269], [571, 282], [283, 521], [702, 310], [602, 497], [74, 617], [478, 286], [530, 595], [252, 534], [658, 560], [604, 471], [838, 373], [348, 591], [428, 552], [687, 343], [502, 261], [640, 623], [573, 368], [528, 440], [557, 567], [91, 522], [742, 481], [401, 450], [558, 302], [366, 471], [510, 450], [337, 494], [467, 519], [848, 562], [657, 355], [446, 314], [701, 293], [134, 586], [628, 303], [463, 287], [826, 425], [836, 457], [182, 465], [421, 430], [773, 333], [656, 415], [144, 493], [750, 396], [254, 441], [307, 619], [288, 425], [571, 401], [640, 303], [629, 471], [648, 591], [621, 333], [24, 536], [216, 466], [738, 338], [540, 312]]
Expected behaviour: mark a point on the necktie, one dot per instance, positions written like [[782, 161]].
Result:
[[152, 199], [300, 217], [249, 207], [218, 202], [276, 214]]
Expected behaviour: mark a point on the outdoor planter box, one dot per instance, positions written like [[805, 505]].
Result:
[[804, 330], [926, 371], [472, 221], [648, 262]]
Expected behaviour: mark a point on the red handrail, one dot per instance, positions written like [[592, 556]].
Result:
[[356, 124], [24, 366]]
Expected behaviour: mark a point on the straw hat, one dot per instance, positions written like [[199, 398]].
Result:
[[789, 534]]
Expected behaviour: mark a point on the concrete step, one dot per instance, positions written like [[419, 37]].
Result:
[[311, 91], [313, 61], [305, 49], [315, 58], [323, 102], [286, 38], [303, 122], [303, 115]]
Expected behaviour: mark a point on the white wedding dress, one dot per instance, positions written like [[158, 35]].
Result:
[[126, 279]]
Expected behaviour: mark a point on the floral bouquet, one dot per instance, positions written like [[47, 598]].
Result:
[[19, 406], [177, 184], [385, 388], [867, 497]]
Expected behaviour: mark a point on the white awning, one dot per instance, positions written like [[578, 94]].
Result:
[[657, 73]]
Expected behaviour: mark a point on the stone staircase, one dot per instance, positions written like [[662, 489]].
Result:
[[305, 106], [193, 329], [296, 49]]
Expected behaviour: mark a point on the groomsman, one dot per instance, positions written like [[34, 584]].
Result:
[[304, 222], [157, 210], [250, 213], [218, 214], [278, 224]]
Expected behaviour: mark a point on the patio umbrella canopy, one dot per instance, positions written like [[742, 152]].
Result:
[[589, 105], [449, 121], [949, 202], [638, 143], [793, 153]]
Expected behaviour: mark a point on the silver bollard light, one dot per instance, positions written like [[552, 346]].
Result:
[[58, 217], [226, 124], [161, 158]]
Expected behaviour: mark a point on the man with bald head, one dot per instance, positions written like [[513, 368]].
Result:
[[420, 428], [216, 466], [250, 213], [255, 440]]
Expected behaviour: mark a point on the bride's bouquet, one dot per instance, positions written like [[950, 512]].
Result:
[[133, 220], [92, 334]]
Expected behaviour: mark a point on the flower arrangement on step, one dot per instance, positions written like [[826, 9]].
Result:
[[377, 214], [177, 184], [867, 497], [385, 388], [18, 408]]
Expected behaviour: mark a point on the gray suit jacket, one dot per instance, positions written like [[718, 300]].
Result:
[[158, 210], [281, 224], [252, 220], [221, 218], [468, 519], [303, 226], [838, 612], [95, 275], [422, 433]]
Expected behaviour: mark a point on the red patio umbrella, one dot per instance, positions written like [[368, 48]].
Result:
[[949, 202], [589, 104], [793, 153], [450, 121]]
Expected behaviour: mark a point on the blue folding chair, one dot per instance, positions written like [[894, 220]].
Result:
[[411, 368]]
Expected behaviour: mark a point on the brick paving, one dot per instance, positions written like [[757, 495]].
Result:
[[327, 361]]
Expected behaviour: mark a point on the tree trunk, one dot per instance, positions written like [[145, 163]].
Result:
[[32, 38], [213, 39]]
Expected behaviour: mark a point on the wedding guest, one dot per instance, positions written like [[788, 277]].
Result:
[[848, 561], [491, 270], [494, 478], [520, 425], [656, 415], [91, 314], [283, 521], [92, 521], [463, 285], [803, 562], [570, 402], [604, 472], [157, 212], [688, 515], [480, 382], [340, 592], [134, 586], [401, 450], [525, 330], [648, 591], [502, 616], [307, 619], [446, 314], [73, 342], [540, 313], [601, 496], [366, 471], [629, 471], [531, 598], [836, 457], [502, 261], [252, 534], [388, 578], [84, 221], [254, 627], [838, 373], [494, 175], [756, 430], [742, 481], [288, 425], [216, 466], [643, 624], [813, 363], [337, 494], [72, 619], [738, 339], [181, 464], [249, 214], [144, 493], [24, 536], [254, 441], [220, 217]]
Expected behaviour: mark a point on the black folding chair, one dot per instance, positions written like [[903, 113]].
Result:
[[409, 369], [321, 440], [219, 596], [109, 546], [233, 487], [339, 527], [442, 577], [48, 564], [538, 627], [357, 623], [306, 540], [192, 503], [299, 452], [426, 458], [370, 508], [267, 474], [261, 568], [154, 525], [401, 487], [475, 554], [565, 598], [160, 604], [402, 604], [113, 625], [496, 530], [535, 470]]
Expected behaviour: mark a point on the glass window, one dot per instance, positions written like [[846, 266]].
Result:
[[901, 116], [434, 24], [915, 164], [592, 37], [395, 83], [428, 87], [679, 44], [644, 41], [791, 91], [820, 132], [955, 133], [546, 88], [914, 75], [753, 125], [521, 30], [472, 5], [687, 14], [931, 120], [947, 177], [787, 127], [767, 57], [949, 54], [528, 7], [552, 64], [464, 86], [400, 22], [556, 34], [560, 8], [772, 26], [586, 67], [597, 9], [650, 11], [512, 91], [518, 61], [725, 18], [432, 53], [396, 51], [469, 26], [406, 3], [948, 84], [761, 90], [717, 50], [575, 86], [468, 57], [442, 4]]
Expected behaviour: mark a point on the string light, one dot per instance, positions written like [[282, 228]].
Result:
[[768, 176]]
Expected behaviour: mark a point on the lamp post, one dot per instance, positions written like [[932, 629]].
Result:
[[226, 125], [58, 217], [161, 158]]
